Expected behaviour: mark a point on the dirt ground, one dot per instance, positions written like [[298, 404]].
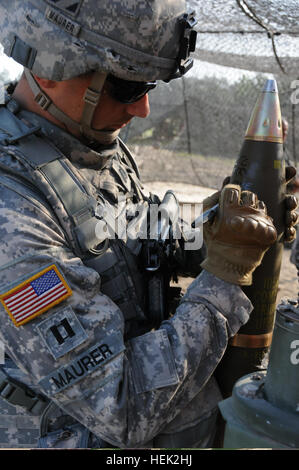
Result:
[[156, 164], [288, 285], [193, 179]]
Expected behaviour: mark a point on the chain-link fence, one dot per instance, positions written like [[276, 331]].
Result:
[[240, 44], [205, 117]]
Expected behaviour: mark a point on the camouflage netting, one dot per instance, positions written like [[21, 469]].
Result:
[[259, 35], [240, 44]]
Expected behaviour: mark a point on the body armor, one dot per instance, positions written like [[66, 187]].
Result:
[[28, 164], [48, 179]]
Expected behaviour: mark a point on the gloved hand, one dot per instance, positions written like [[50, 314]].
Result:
[[239, 235], [291, 204]]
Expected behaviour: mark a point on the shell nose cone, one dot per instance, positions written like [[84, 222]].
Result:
[[265, 124], [270, 86]]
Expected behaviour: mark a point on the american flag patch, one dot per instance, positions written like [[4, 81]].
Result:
[[35, 295]]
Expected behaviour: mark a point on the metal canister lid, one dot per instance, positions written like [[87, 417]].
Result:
[[287, 316]]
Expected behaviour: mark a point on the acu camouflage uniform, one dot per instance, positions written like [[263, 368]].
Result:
[[153, 385]]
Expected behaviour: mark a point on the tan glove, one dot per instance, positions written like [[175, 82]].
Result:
[[238, 236], [291, 204]]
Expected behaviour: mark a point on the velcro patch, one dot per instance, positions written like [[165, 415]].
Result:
[[35, 295], [153, 364], [62, 332], [84, 364]]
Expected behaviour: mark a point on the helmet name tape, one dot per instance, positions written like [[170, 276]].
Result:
[[71, 7], [63, 22]]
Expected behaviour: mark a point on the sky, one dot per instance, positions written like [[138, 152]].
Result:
[[13, 67]]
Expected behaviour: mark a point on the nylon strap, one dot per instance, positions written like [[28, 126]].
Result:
[[91, 99], [45, 158], [75, 201]]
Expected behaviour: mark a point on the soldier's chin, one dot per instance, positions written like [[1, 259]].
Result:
[[107, 136]]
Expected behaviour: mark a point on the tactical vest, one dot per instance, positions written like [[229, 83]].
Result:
[[50, 179], [54, 181]]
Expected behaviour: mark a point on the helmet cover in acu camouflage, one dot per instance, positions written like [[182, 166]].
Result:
[[133, 39]]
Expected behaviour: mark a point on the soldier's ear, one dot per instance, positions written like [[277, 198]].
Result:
[[45, 83]]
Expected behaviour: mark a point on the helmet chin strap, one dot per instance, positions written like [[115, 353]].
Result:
[[91, 99]]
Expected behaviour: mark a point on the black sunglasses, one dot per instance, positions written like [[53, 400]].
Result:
[[127, 91]]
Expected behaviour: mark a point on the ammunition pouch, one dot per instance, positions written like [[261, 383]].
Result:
[[60, 431], [72, 436]]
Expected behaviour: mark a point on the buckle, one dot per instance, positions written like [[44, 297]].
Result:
[[21, 395], [43, 100], [5, 387], [91, 97]]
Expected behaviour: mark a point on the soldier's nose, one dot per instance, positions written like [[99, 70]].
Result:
[[140, 108]]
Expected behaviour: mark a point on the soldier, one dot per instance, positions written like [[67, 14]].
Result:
[[75, 320]]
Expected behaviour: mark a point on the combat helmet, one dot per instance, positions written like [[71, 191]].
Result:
[[135, 40]]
